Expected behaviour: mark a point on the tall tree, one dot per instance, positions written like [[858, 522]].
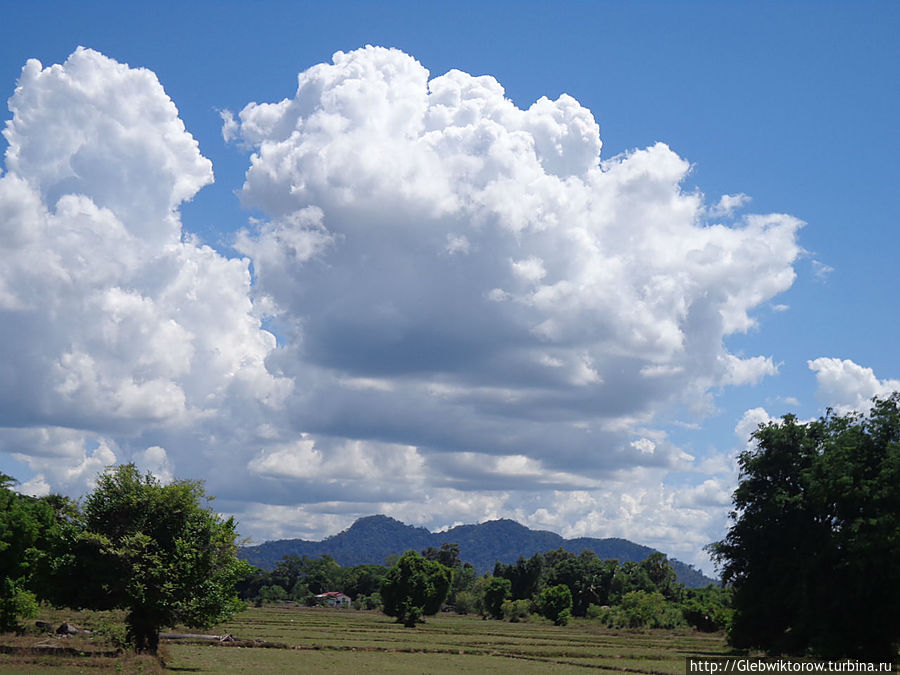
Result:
[[525, 575], [815, 537], [588, 578], [497, 591], [158, 551], [363, 580], [555, 603], [414, 587], [662, 576]]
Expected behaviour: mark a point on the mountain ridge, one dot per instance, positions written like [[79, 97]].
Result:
[[371, 539]]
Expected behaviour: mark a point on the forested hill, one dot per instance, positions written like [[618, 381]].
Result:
[[373, 539]]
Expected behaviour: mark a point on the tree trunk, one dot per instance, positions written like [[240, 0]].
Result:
[[143, 634]]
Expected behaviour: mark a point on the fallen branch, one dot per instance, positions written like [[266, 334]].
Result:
[[226, 640], [196, 636]]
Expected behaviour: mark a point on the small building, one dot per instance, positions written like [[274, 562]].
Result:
[[334, 599]]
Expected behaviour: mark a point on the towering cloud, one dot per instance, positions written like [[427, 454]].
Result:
[[112, 323], [507, 289], [477, 314]]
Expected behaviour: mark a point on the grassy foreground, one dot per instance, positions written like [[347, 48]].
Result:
[[314, 640]]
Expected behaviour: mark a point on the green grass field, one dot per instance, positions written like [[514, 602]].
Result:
[[313, 640], [326, 641]]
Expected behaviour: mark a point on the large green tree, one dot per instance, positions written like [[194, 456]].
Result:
[[587, 577], [813, 548], [26, 525], [414, 587], [363, 580], [555, 603], [158, 551], [496, 593], [525, 575]]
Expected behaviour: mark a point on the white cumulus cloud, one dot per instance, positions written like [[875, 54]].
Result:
[[578, 291], [478, 315], [113, 322], [847, 386]]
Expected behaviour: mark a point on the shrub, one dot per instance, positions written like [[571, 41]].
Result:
[[467, 602], [498, 590], [640, 609], [368, 601], [15, 602], [555, 603], [111, 631], [515, 611], [708, 609], [272, 593], [599, 613]]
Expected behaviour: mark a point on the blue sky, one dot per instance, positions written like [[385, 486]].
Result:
[[477, 315]]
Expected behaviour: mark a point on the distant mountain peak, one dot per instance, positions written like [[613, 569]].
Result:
[[372, 539], [377, 518], [380, 522], [505, 522], [375, 521]]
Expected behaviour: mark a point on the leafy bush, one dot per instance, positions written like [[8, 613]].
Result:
[[498, 590], [368, 601], [272, 593], [467, 602], [515, 611], [599, 613], [555, 603], [15, 603], [111, 631], [639, 609], [708, 609]]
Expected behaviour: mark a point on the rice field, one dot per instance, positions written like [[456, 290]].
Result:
[[326, 640], [289, 639]]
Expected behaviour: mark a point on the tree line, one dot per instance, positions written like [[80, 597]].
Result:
[[556, 585]]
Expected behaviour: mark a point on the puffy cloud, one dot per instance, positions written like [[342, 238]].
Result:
[[66, 460], [115, 324], [477, 314], [96, 127], [518, 292], [750, 422], [155, 460], [727, 205], [340, 462], [846, 386]]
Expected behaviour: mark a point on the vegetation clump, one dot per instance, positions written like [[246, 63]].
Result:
[[414, 587], [813, 547], [157, 551]]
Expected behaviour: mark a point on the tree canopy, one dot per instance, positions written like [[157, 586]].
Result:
[[812, 551], [414, 587], [26, 524], [155, 550], [555, 603]]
